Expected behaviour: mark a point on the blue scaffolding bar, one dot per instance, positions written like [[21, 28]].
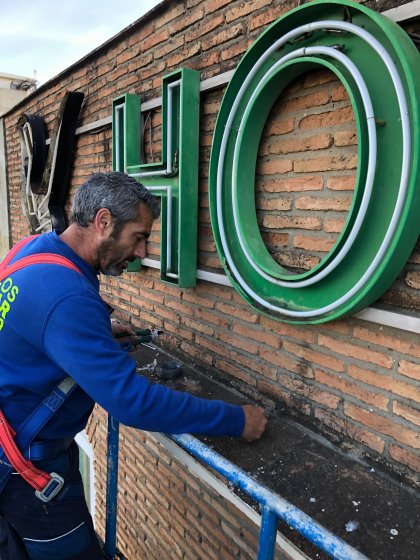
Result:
[[273, 507], [110, 547]]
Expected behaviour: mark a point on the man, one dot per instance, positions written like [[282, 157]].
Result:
[[55, 325]]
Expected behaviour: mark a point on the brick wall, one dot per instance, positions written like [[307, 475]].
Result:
[[356, 382], [164, 511]]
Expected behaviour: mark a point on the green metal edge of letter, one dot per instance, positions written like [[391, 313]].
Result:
[[175, 177], [379, 66]]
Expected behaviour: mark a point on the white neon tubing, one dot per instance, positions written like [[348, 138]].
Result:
[[118, 109], [169, 166], [27, 138], [54, 161], [370, 176], [406, 141], [164, 188], [35, 209], [168, 190], [160, 173]]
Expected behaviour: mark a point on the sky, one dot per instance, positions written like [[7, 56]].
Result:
[[47, 36]]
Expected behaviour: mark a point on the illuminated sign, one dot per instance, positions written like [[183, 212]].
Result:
[[174, 179], [379, 67]]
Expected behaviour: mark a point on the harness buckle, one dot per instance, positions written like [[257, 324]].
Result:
[[52, 488]]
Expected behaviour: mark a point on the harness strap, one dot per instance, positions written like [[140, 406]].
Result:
[[35, 477], [46, 485], [14, 250], [40, 258]]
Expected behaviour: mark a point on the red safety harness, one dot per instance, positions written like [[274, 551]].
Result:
[[46, 485]]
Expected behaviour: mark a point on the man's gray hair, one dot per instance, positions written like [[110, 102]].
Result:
[[118, 192]]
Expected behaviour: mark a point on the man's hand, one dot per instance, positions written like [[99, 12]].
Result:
[[255, 422], [120, 329]]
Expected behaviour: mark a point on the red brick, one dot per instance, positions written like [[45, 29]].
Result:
[[235, 371], [182, 55], [406, 412], [359, 352], [355, 432], [278, 239], [353, 389], [196, 352], [408, 345], [284, 362], [197, 326], [155, 39], [174, 11], [341, 183], [239, 342], [264, 18], [274, 167], [315, 99], [184, 334], [334, 225], [310, 392], [313, 243], [324, 120], [318, 78], [292, 222], [345, 138], [169, 46], [278, 204], [317, 142], [236, 50], [303, 333], [340, 204], [339, 93], [244, 314], [265, 337], [244, 9], [412, 279], [210, 317], [187, 20], [409, 369], [405, 456], [284, 396], [313, 356], [227, 34], [276, 127], [212, 345], [383, 425], [193, 296], [213, 5], [293, 184], [328, 163]]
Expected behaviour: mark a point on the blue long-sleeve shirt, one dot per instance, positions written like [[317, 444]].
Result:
[[53, 323]]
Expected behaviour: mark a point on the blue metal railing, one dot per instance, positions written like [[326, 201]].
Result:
[[110, 547], [273, 506]]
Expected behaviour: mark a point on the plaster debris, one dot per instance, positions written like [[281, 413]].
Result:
[[352, 526], [394, 532], [312, 499], [356, 503], [148, 367]]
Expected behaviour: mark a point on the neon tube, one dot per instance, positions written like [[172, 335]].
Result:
[[405, 125]]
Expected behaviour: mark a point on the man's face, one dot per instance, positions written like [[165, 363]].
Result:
[[129, 243]]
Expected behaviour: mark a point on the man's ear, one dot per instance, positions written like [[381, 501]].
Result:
[[103, 222]]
